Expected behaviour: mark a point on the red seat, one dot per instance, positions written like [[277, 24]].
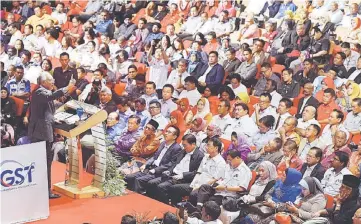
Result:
[[138, 56], [254, 177], [278, 68], [253, 100], [33, 87], [356, 138], [119, 88], [329, 203], [19, 105], [226, 143], [293, 110], [141, 67]]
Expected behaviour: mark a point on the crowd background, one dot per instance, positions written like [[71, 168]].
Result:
[[232, 106]]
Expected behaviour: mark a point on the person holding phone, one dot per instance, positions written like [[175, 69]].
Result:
[[209, 214], [41, 121], [236, 179]]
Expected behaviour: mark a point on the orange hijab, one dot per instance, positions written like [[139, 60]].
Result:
[[358, 23], [180, 124], [185, 101], [329, 83]]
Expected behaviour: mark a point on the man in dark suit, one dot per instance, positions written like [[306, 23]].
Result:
[[42, 111], [160, 162], [232, 63], [313, 167], [307, 100], [181, 172], [211, 74]]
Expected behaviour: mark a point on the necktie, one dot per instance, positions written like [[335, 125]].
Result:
[[278, 122]]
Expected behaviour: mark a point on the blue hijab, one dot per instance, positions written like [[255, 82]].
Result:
[[289, 189]]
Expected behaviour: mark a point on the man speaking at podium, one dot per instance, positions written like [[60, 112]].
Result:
[[42, 111]]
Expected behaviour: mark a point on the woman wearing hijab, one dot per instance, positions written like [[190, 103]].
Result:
[[176, 119], [212, 131], [266, 178], [354, 36], [197, 127], [203, 110], [195, 63], [8, 107], [349, 92], [326, 83], [283, 191], [311, 200], [211, 95], [184, 107], [240, 144], [266, 173]]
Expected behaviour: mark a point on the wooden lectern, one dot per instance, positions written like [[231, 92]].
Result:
[[78, 183]]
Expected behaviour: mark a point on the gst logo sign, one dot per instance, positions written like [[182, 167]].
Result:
[[14, 173]]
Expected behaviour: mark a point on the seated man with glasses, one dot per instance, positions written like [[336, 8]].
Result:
[[264, 108], [312, 167], [156, 114], [266, 73]]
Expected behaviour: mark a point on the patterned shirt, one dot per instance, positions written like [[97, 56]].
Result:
[[21, 87]]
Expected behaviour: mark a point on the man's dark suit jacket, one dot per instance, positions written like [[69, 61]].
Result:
[[42, 111], [214, 77], [312, 101], [196, 159], [358, 77], [232, 66], [168, 159], [317, 172]]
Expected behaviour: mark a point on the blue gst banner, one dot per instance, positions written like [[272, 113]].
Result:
[[15, 174]]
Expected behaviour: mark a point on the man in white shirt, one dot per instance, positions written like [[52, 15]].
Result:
[[59, 14], [223, 26], [353, 119], [236, 84], [241, 123], [155, 112], [336, 14], [223, 120], [206, 24], [264, 108], [351, 56], [15, 32], [177, 76], [334, 124], [271, 88], [310, 140], [308, 118], [209, 214], [237, 178], [29, 38], [150, 93], [168, 106], [181, 174], [190, 92], [332, 180], [158, 67], [121, 64], [211, 169], [283, 107], [189, 27]]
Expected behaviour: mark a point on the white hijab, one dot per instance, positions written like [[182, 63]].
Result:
[[206, 109]]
